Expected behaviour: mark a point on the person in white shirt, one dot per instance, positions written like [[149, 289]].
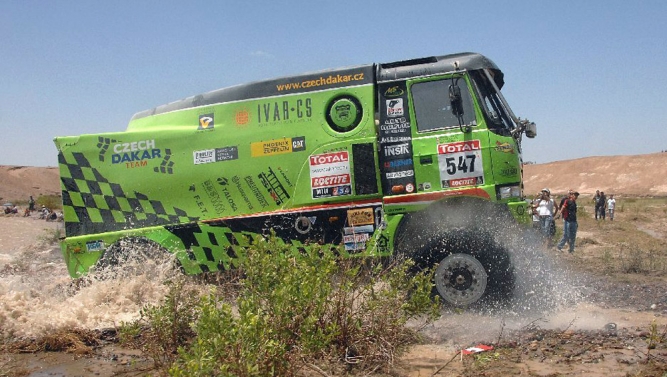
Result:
[[546, 210], [611, 206]]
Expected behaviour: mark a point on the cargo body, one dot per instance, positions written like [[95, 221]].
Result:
[[338, 157]]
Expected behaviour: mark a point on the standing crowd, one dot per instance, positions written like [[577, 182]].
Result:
[[604, 205], [546, 211]]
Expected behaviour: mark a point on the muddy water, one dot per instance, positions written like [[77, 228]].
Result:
[[38, 296]]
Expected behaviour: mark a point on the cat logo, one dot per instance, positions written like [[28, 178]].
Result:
[[206, 122]]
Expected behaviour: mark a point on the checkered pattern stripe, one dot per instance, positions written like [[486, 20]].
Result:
[[216, 247], [92, 204]]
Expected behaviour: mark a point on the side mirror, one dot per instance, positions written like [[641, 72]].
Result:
[[531, 130], [455, 100]]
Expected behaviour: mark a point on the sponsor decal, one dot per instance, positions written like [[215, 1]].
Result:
[[362, 216], [322, 81], [395, 107], [462, 146], [135, 154], [255, 191], [424, 186], [276, 189], [460, 164], [286, 111], [277, 146], [214, 197], [397, 149], [242, 117], [394, 91], [395, 126], [285, 177], [207, 156], [206, 122], [331, 180], [223, 181], [358, 229], [200, 204], [103, 144], [327, 192], [330, 174], [398, 163], [356, 238], [166, 166], [504, 147], [395, 139], [400, 174], [453, 183], [329, 158], [237, 182], [409, 188], [95, 246]]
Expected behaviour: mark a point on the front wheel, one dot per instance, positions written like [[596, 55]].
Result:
[[460, 279]]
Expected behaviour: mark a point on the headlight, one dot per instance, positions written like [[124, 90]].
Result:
[[506, 192]]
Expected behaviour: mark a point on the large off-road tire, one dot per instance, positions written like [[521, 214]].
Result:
[[460, 239]]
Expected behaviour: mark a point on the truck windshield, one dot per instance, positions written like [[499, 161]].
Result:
[[433, 110], [495, 114]]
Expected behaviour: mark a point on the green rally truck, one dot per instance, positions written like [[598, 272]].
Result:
[[419, 158]]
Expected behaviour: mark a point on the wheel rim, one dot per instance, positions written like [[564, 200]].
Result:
[[460, 279]]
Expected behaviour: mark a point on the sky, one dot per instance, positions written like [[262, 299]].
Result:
[[590, 74]]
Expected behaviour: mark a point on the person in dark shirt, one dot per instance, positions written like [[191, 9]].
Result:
[[597, 199], [603, 205], [569, 212]]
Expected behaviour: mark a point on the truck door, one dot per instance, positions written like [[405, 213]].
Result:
[[450, 151]]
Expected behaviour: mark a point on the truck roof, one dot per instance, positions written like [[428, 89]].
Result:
[[291, 84]]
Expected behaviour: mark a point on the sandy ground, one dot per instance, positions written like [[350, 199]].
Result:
[[596, 325]]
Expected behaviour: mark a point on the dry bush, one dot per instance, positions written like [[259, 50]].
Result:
[[70, 340]]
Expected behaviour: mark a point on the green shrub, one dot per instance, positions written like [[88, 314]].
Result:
[[162, 329], [49, 201], [295, 310]]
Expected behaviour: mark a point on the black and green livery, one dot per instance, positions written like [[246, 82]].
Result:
[[341, 157]]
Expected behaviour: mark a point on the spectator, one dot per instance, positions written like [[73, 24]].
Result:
[[546, 210], [603, 205], [611, 206], [44, 212], [31, 204], [560, 205], [533, 208], [597, 201], [569, 211]]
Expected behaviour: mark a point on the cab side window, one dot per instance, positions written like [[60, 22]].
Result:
[[432, 108]]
